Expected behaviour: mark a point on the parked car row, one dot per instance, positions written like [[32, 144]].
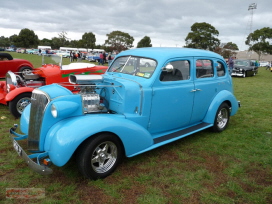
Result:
[[96, 57], [148, 97]]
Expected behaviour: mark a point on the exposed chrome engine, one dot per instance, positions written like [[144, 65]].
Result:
[[29, 80], [90, 99]]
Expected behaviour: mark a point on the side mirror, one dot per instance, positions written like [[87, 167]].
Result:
[[168, 68]]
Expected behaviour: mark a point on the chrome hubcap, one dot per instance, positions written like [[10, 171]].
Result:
[[22, 103], [104, 157], [222, 118]]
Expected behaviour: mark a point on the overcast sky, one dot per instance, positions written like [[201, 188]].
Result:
[[166, 22]]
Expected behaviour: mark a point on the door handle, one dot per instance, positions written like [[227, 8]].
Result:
[[194, 90]]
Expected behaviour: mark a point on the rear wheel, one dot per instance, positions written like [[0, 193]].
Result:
[[18, 104], [221, 118], [98, 157], [25, 70]]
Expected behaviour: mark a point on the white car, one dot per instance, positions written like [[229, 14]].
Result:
[[63, 54], [264, 64]]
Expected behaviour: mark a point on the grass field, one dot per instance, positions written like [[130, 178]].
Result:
[[234, 166]]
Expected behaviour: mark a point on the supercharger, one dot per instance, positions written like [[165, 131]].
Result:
[[90, 99]]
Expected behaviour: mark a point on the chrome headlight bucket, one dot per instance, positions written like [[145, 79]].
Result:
[[11, 78]]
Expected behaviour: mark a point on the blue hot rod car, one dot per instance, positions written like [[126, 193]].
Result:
[[131, 109]]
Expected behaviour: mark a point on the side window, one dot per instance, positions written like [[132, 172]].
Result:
[[220, 69], [176, 71], [204, 68]]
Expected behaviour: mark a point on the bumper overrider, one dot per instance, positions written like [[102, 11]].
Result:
[[35, 166], [237, 73]]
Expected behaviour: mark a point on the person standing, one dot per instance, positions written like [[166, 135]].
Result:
[[109, 58], [71, 56], [74, 56], [101, 59], [79, 56], [104, 57], [231, 63]]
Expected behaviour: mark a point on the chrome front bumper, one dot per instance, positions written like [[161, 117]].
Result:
[[236, 74], [35, 166]]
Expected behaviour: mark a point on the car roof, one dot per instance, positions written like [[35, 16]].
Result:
[[7, 55], [166, 53]]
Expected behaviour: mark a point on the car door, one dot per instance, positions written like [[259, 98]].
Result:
[[206, 87], [173, 99]]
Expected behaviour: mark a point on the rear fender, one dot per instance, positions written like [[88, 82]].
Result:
[[223, 96], [64, 138], [12, 94]]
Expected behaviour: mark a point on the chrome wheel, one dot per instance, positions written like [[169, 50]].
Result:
[[18, 104], [99, 155], [104, 157], [222, 118], [22, 103], [25, 70]]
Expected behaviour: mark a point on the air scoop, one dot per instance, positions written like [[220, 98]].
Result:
[[85, 79]]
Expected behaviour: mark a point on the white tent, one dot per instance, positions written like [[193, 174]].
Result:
[[44, 47]]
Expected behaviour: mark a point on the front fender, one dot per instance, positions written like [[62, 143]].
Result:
[[15, 92], [64, 137], [217, 101]]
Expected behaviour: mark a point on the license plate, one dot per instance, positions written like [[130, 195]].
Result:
[[17, 148]]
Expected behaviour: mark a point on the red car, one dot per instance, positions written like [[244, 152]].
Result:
[[7, 63], [16, 90]]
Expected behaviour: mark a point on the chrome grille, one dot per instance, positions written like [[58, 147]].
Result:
[[39, 101]]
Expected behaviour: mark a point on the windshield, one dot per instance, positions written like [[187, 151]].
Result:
[[137, 66], [52, 59], [241, 63]]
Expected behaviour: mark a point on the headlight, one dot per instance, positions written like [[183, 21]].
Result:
[[54, 111], [62, 109], [241, 70]]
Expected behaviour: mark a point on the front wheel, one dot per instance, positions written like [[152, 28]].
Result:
[[99, 156], [244, 74], [222, 118], [18, 104]]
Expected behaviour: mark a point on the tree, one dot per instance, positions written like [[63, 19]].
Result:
[[56, 43], [88, 39], [119, 41], [4, 42], [45, 42], [203, 36], [226, 49], [27, 39], [230, 46], [63, 39], [145, 42], [260, 41]]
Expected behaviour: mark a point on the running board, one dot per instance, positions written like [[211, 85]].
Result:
[[192, 129], [165, 139]]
